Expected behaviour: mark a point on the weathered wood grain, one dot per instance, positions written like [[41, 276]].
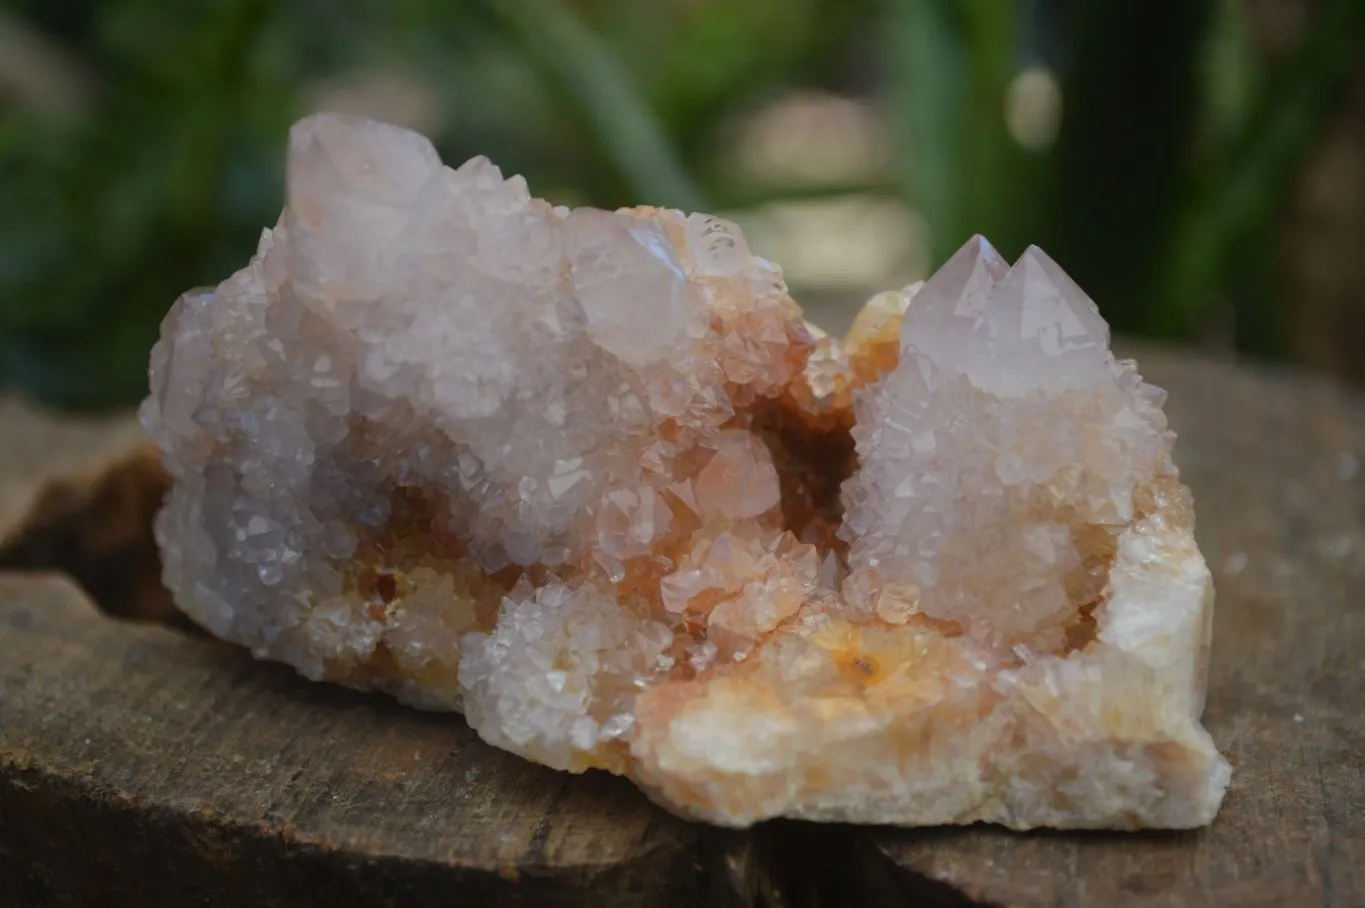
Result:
[[1275, 461], [140, 765], [38, 448], [79, 496]]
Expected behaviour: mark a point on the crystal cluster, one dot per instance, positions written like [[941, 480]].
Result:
[[589, 478]]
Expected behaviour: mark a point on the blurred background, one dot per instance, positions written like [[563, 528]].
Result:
[[1197, 165]]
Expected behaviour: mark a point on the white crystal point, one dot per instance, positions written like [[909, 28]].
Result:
[[945, 312], [630, 283], [1039, 331], [337, 153], [984, 465]]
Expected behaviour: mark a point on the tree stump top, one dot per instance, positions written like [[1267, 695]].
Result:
[[144, 763]]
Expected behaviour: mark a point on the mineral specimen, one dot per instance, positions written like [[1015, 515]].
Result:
[[590, 478]]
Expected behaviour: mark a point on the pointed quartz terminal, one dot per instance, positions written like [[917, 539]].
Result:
[[587, 477], [945, 312], [630, 285], [1039, 331]]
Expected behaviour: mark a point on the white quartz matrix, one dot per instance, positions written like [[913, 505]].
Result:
[[589, 478]]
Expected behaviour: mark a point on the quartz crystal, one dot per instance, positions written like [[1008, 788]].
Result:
[[589, 478]]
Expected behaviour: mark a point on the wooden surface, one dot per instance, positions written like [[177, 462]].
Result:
[[140, 764], [79, 496], [37, 446], [142, 767]]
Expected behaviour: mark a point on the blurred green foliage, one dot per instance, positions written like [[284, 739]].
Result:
[[161, 163]]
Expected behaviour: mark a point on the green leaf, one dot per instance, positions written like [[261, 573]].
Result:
[[590, 77], [1131, 91], [1248, 182], [949, 65]]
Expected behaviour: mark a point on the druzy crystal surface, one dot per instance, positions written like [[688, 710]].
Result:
[[590, 478]]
